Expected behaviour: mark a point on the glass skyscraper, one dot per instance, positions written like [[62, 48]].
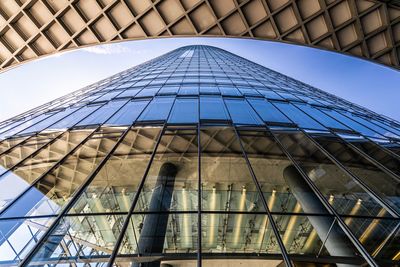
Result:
[[199, 157]]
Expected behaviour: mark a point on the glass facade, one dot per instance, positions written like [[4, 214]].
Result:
[[199, 157]]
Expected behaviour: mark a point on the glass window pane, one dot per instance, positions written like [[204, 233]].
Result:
[[73, 118], [103, 113], [11, 142], [378, 236], [27, 123], [18, 153], [298, 117], [172, 181], [209, 90], [18, 237], [212, 108], [189, 90], [114, 187], [369, 124], [380, 182], [316, 236], [57, 115], [270, 94], [241, 112], [322, 117], [352, 124], [157, 110], [342, 191], [267, 111], [53, 191], [129, 93], [168, 90], [185, 110], [148, 92], [158, 234], [268, 163], [226, 179], [80, 238], [229, 91], [128, 113], [108, 96], [377, 153], [14, 182], [238, 233]]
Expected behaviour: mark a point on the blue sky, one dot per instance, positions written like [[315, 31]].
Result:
[[371, 85]]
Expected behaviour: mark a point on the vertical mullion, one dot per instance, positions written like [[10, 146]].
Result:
[[134, 201], [341, 223], [270, 218], [74, 197], [199, 202]]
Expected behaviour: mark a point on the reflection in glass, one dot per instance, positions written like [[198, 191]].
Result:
[[377, 153], [227, 184], [77, 237], [11, 142], [172, 181], [316, 236], [114, 187], [241, 112], [171, 233], [386, 186], [18, 237], [268, 163], [380, 237], [14, 182], [157, 110], [53, 191], [128, 113], [18, 153], [341, 190], [190, 114], [238, 233]]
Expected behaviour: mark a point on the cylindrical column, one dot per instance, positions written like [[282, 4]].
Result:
[[152, 235], [337, 243]]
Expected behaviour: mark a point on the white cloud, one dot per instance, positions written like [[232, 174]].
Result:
[[108, 49]]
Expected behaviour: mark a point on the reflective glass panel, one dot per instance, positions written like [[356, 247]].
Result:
[[380, 237], [298, 117], [158, 109], [159, 233], [238, 233], [380, 182], [322, 117], [80, 238], [128, 113], [103, 113], [241, 112], [185, 110], [18, 153], [114, 187], [212, 108], [341, 190], [316, 236], [18, 237], [227, 184], [267, 111], [14, 182], [53, 190], [172, 181]]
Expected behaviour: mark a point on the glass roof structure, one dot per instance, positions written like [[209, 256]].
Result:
[[199, 157]]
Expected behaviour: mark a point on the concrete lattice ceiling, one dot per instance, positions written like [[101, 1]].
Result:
[[33, 28]]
